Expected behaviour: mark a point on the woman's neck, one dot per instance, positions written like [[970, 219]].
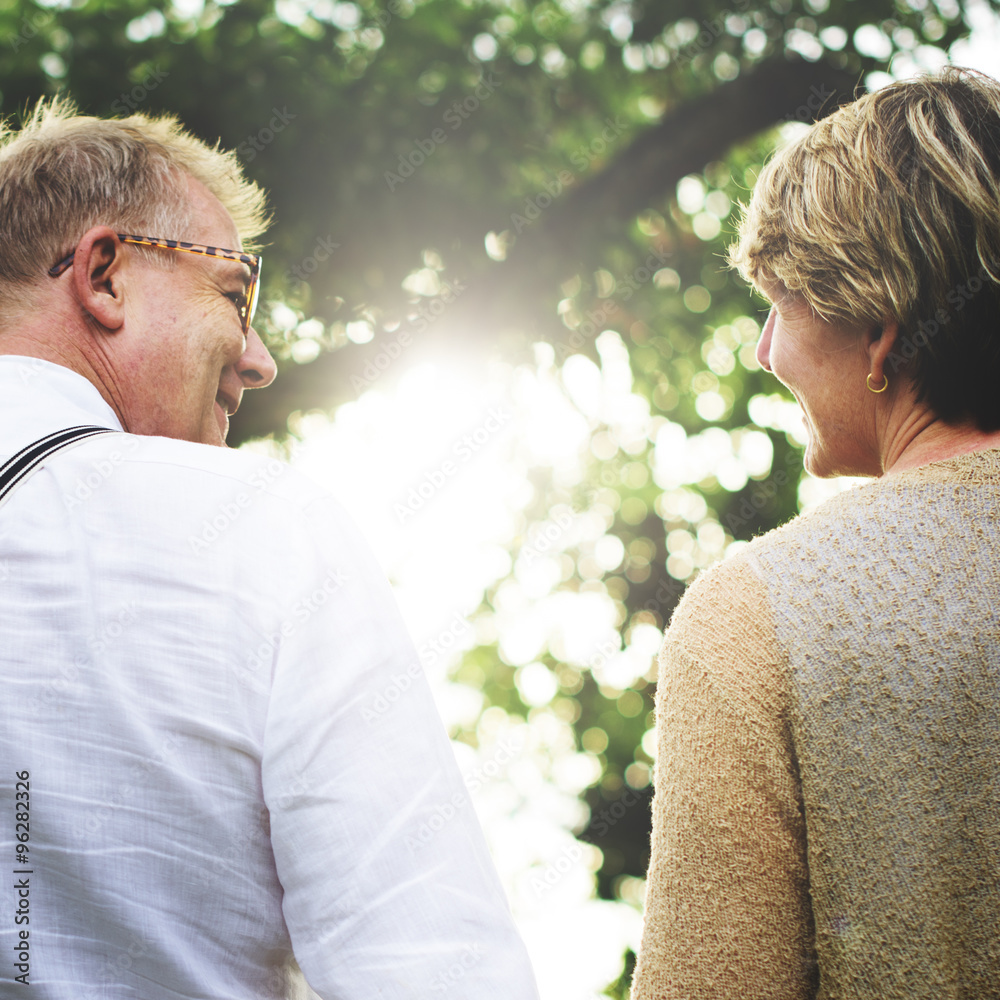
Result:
[[938, 442]]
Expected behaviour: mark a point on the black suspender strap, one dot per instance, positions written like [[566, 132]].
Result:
[[18, 468]]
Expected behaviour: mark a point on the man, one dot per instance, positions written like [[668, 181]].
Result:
[[199, 800]]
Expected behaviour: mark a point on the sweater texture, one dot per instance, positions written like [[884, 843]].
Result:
[[827, 813]]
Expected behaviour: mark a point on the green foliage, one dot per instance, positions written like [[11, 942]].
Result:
[[417, 137]]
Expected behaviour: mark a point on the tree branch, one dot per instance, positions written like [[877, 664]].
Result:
[[521, 291]]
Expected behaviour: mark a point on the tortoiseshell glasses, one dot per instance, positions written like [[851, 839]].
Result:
[[246, 303]]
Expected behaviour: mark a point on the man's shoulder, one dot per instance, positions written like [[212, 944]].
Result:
[[204, 499], [179, 483], [206, 468]]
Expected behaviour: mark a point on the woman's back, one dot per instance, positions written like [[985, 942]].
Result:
[[832, 713], [887, 607]]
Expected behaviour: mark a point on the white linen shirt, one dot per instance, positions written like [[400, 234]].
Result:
[[236, 768]]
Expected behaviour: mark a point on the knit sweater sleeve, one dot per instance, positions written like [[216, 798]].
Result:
[[727, 904]]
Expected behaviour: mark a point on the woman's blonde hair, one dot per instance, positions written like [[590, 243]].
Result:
[[62, 173], [890, 209]]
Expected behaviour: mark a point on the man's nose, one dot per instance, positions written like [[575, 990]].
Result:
[[256, 367]]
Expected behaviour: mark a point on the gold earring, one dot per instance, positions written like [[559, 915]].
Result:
[[884, 387]]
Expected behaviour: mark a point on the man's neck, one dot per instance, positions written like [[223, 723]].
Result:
[[30, 347], [93, 368]]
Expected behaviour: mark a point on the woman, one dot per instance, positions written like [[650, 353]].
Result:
[[827, 812]]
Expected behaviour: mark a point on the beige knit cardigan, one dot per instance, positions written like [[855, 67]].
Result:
[[826, 823]]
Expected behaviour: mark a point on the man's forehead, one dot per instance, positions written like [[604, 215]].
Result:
[[211, 224]]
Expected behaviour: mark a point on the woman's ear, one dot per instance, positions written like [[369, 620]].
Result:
[[97, 276], [880, 342]]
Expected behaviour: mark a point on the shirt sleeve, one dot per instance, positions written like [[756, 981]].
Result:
[[728, 915], [389, 889]]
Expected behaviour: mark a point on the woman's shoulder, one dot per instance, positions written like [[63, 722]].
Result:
[[745, 562], [897, 506], [902, 514]]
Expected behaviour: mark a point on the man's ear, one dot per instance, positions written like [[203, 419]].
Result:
[[97, 276]]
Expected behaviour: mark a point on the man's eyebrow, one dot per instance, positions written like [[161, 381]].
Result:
[[245, 270]]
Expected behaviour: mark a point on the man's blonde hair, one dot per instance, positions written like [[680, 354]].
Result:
[[890, 209], [62, 173]]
